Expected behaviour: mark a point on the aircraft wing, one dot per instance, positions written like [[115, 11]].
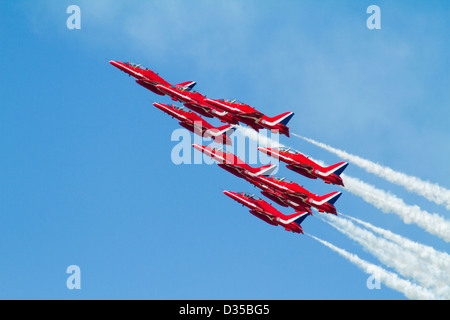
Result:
[[254, 116], [296, 196], [265, 216]]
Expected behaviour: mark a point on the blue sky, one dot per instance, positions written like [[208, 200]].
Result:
[[86, 176]]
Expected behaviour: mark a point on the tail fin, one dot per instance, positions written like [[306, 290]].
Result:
[[264, 170], [330, 198], [283, 118], [188, 85], [297, 217], [226, 129], [337, 168]]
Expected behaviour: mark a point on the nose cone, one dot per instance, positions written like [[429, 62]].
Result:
[[199, 147], [228, 193], [115, 63], [232, 195], [159, 105], [119, 65], [265, 150], [274, 153]]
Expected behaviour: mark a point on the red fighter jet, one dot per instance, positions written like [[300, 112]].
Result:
[[181, 92], [291, 194], [147, 78], [269, 214], [281, 199], [196, 102], [306, 167], [252, 117], [234, 165], [281, 191], [197, 125], [240, 169]]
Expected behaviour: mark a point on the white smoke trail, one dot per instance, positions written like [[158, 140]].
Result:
[[389, 203], [260, 138], [406, 263], [385, 201], [426, 253], [431, 191], [397, 206], [390, 279]]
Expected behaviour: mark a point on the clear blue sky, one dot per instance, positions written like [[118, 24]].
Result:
[[86, 176]]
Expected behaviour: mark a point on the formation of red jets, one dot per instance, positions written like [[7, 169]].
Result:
[[281, 191]]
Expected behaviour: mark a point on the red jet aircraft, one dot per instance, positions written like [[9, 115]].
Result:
[[147, 78], [281, 199], [252, 117], [197, 125], [269, 214], [233, 164], [305, 166], [196, 102], [272, 188], [292, 194]]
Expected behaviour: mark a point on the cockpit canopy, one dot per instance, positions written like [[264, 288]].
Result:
[[136, 65], [281, 179], [249, 195], [233, 101], [288, 150], [179, 108], [185, 89]]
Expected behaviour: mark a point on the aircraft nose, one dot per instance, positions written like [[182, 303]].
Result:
[[266, 150], [117, 64], [230, 194], [198, 147], [158, 105]]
